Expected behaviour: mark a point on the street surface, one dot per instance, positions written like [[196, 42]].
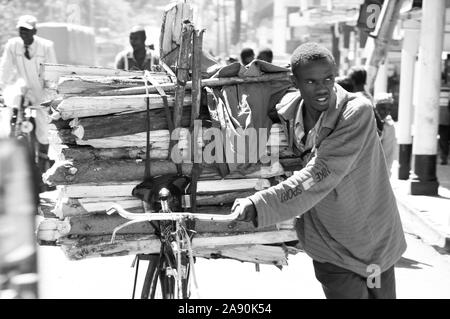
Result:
[[422, 273]]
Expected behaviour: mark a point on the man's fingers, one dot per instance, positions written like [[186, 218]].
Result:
[[235, 204]]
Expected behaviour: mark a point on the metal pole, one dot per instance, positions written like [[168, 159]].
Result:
[[424, 180]]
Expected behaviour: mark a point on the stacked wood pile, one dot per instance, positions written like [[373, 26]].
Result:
[[99, 144]]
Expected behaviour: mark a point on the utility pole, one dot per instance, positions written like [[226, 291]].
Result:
[[381, 38], [424, 180]]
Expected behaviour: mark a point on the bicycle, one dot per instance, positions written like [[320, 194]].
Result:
[[175, 262]]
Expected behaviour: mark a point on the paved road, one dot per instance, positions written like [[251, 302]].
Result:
[[422, 273]]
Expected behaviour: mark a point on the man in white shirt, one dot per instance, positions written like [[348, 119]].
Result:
[[21, 61]]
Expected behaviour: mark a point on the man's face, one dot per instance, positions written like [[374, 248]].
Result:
[[137, 40], [384, 109], [27, 35], [315, 80]]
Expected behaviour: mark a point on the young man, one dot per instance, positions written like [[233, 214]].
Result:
[[348, 218], [141, 57]]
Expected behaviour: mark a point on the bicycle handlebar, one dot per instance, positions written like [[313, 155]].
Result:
[[174, 216]]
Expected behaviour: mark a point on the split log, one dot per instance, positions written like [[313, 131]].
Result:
[[125, 189], [87, 106], [52, 72], [213, 82], [52, 229], [124, 124], [70, 207], [91, 247], [89, 85], [113, 171]]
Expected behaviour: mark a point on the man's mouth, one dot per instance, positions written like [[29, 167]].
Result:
[[322, 100]]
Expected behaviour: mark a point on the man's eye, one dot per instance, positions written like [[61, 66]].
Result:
[[309, 82], [329, 79]]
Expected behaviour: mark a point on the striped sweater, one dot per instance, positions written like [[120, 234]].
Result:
[[347, 209]]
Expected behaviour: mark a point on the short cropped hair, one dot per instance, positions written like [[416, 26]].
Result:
[[265, 55], [308, 52], [358, 75], [247, 53]]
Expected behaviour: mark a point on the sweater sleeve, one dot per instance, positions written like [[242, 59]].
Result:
[[334, 159]]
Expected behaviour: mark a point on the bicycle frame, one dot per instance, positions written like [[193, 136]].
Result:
[[182, 241]]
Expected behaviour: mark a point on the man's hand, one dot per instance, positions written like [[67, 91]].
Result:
[[246, 209]]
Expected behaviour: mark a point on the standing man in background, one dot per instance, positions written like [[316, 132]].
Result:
[[141, 57], [21, 61]]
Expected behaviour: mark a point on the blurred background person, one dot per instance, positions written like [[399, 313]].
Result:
[[265, 54], [345, 82], [21, 61], [140, 57], [384, 102], [247, 56]]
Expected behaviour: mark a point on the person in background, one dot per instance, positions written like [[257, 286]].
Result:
[[21, 61], [346, 83], [358, 76], [384, 103], [140, 57], [247, 56], [265, 55], [231, 59], [347, 216]]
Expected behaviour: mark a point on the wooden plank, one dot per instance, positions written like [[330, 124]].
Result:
[[88, 85], [125, 189], [100, 246], [87, 106], [52, 72]]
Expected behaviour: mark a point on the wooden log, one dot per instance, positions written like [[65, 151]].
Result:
[[89, 85], [52, 229], [113, 171], [100, 246], [123, 124], [213, 82], [258, 254], [69, 207], [87, 106], [125, 189], [52, 72]]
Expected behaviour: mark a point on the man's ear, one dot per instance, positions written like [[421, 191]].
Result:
[[294, 80]]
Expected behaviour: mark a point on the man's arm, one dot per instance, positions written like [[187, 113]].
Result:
[[334, 160], [6, 66], [120, 61]]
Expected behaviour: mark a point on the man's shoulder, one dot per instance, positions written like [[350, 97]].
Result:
[[359, 103], [123, 54], [44, 42], [14, 41]]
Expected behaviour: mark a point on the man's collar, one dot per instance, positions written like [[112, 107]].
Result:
[[287, 107]]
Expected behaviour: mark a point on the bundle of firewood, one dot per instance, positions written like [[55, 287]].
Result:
[[99, 144], [99, 141]]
